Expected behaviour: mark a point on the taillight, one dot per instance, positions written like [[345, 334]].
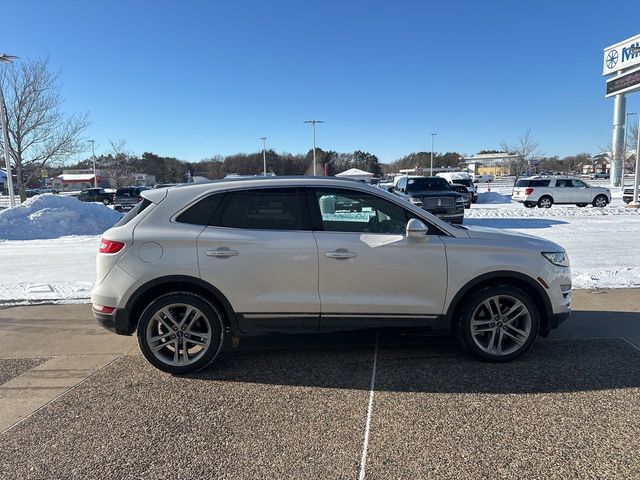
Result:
[[103, 309], [528, 191], [110, 246]]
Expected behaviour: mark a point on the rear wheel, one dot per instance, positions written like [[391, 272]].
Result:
[[545, 202], [499, 323], [600, 201], [180, 333]]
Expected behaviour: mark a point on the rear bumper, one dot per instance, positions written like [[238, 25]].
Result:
[[116, 322]]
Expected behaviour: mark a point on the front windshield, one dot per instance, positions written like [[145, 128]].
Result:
[[427, 183]]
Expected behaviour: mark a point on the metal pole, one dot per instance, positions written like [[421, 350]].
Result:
[[624, 147], [635, 201], [7, 154], [431, 172], [264, 154], [314, 149], [93, 151], [619, 106], [313, 124]]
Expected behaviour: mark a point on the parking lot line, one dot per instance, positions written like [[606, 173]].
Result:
[[365, 443]]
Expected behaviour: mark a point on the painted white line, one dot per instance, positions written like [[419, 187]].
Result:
[[365, 444]]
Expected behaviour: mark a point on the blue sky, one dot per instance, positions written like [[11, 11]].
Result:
[[193, 79]]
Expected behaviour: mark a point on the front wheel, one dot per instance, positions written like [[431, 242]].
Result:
[[499, 323], [180, 333], [106, 201], [600, 201]]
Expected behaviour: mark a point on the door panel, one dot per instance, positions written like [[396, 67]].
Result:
[[369, 270]]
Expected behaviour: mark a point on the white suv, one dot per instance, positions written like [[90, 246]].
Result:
[[194, 264], [545, 191]]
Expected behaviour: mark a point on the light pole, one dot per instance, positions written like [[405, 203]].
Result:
[[93, 151], [264, 154], [431, 172], [5, 134], [313, 124]]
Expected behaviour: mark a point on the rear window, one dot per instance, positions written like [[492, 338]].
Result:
[[462, 181], [202, 212], [533, 183], [265, 209], [134, 212]]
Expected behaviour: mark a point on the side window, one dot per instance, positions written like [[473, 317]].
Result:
[[202, 212], [579, 184], [263, 209], [359, 212], [563, 183]]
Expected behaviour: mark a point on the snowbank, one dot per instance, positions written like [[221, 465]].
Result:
[[53, 216], [493, 197]]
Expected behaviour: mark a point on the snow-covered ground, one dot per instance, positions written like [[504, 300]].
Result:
[[603, 244]]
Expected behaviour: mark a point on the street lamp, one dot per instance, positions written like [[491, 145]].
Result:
[[93, 151], [5, 133], [264, 154], [432, 135], [313, 123]]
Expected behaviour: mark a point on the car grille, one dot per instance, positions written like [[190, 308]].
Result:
[[435, 202]]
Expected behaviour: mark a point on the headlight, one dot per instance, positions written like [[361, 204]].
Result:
[[460, 200], [415, 201], [557, 258]]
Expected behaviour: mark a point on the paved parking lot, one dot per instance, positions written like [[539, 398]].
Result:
[[303, 407]]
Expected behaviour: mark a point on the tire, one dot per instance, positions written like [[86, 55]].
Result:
[[545, 202], [191, 320], [529, 204], [506, 338], [581, 205], [600, 201], [106, 201]]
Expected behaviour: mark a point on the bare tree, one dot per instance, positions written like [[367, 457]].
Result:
[[40, 133], [524, 151], [121, 162]]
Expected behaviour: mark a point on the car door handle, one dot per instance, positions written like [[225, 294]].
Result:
[[222, 253], [341, 253]]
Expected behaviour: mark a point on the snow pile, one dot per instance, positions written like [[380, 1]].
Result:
[[53, 216], [520, 211], [493, 197]]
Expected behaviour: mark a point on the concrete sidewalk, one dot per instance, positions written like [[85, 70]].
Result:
[[47, 350]]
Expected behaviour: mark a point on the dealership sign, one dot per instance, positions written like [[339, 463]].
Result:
[[621, 55]]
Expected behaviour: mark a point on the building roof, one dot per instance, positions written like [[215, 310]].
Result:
[[354, 172]]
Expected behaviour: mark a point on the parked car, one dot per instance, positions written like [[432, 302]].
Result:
[[483, 178], [187, 267], [467, 196], [126, 198], [597, 175], [96, 195], [461, 178], [433, 194], [545, 191]]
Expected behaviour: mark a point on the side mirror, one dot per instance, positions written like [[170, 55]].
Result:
[[416, 229]]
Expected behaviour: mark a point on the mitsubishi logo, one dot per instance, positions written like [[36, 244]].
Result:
[[612, 58]]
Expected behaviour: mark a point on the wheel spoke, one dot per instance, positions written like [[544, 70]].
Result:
[[158, 318], [490, 345], [518, 340], [160, 346], [517, 310], [176, 352], [186, 315], [171, 318], [499, 346], [161, 337], [197, 342]]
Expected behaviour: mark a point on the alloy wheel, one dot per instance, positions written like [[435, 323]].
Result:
[[501, 325], [178, 334]]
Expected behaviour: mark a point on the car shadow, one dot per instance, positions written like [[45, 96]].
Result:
[[511, 223], [416, 362]]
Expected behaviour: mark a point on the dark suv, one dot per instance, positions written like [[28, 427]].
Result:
[[433, 194], [126, 198]]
